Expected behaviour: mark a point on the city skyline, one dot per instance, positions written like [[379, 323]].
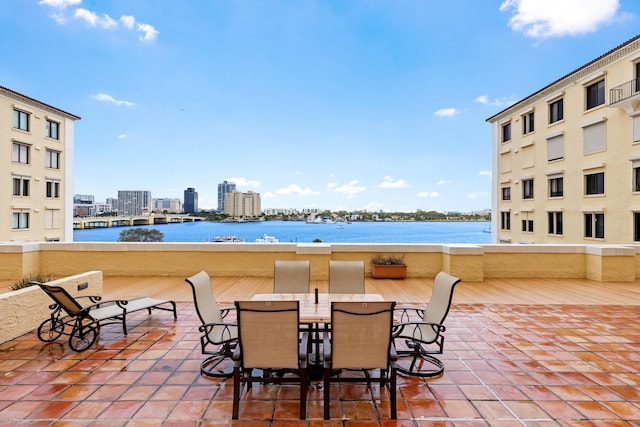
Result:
[[341, 106]]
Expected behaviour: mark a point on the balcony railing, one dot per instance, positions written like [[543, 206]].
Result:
[[624, 91]]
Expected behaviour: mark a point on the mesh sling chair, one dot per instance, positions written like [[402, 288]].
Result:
[[85, 320], [346, 277], [360, 339], [269, 342], [423, 338], [219, 338], [291, 277]]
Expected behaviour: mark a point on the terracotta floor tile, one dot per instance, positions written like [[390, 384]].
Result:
[[593, 410], [154, 410], [188, 410], [52, 410]]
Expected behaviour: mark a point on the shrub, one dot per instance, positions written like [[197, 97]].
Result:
[[24, 282], [380, 259]]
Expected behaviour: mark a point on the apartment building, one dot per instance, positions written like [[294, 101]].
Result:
[[36, 199], [566, 159], [190, 200], [223, 188], [134, 202], [242, 205]]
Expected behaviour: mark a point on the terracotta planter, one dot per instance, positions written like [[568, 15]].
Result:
[[388, 271]]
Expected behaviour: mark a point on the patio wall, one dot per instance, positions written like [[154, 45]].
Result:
[[469, 262], [23, 310]]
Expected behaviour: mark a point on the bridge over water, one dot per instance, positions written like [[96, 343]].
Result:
[[81, 223]]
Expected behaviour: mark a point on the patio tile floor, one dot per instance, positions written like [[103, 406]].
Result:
[[506, 365]]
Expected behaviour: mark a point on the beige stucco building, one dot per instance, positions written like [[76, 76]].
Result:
[[36, 195], [566, 159], [242, 205]]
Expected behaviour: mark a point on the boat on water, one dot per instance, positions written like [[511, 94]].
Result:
[[226, 239], [267, 239]]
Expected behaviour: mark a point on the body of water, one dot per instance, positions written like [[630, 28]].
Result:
[[298, 231]]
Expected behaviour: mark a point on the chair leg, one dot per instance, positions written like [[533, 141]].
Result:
[[392, 394], [236, 393], [327, 393], [303, 393]]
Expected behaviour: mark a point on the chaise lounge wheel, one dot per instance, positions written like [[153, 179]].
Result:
[[50, 330], [82, 338]]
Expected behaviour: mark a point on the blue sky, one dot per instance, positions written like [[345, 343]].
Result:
[[334, 104]]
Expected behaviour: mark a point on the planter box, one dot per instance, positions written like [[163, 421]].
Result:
[[388, 271]]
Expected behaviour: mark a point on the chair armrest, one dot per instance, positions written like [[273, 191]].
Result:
[[398, 329], [404, 313], [207, 328], [224, 311]]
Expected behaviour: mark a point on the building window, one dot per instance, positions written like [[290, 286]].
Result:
[[52, 129], [20, 153], [636, 227], [595, 94], [636, 178], [594, 183], [555, 223], [20, 120], [555, 148], [20, 220], [506, 193], [527, 188], [528, 123], [594, 138], [52, 159], [594, 225], [53, 189], [52, 219], [527, 225], [556, 111], [21, 186], [505, 220], [506, 132], [556, 187]]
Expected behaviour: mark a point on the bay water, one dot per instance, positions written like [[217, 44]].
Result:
[[301, 232]]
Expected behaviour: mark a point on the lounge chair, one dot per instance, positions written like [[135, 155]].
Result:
[[85, 320], [423, 333], [346, 277], [219, 338]]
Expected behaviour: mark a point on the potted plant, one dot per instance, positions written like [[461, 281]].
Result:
[[388, 267]]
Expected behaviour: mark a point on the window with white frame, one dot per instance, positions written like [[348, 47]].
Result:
[[505, 220], [52, 159], [555, 223], [555, 147], [21, 120], [594, 225], [506, 132], [20, 153], [594, 183], [53, 129], [21, 185], [528, 124], [527, 188], [556, 185], [506, 193], [595, 94], [594, 137], [636, 127], [52, 218], [527, 223], [53, 188], [636, 226], [635, 169], [556, 111], [20, 219]]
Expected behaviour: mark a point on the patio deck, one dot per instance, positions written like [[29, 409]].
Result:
[[518, 353]]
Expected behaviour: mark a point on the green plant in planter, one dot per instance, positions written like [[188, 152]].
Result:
[[24, 282], [380, 259]]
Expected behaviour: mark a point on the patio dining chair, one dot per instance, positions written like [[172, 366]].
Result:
[[346, 277], [360, 340], [85, 320], [270, 348], [219, 338], [419, 333], [291, 276]]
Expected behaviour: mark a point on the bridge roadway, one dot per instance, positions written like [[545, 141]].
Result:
[[81, 223]]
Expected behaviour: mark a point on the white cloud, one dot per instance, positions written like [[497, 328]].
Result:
[[478, 195], [444, 181], [150, 33], [243, 182], [391, 183], [373, 206], [108, 98], [267, 195], [428, 195], [558, 18], [128, 21], [497, 102], [122, 136], [293, 189], [485, 173], [447, 112], [59, 4], [92, 18], [350, 189]]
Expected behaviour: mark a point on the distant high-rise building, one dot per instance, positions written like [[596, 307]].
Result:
[[190, 200], [136, 202], [166, 205], [223, 188], [36, 189], [242, 205]]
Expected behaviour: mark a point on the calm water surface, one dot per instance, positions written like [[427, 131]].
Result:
[[298, 231]]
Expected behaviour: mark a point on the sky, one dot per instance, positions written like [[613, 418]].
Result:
[[376, 105]]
